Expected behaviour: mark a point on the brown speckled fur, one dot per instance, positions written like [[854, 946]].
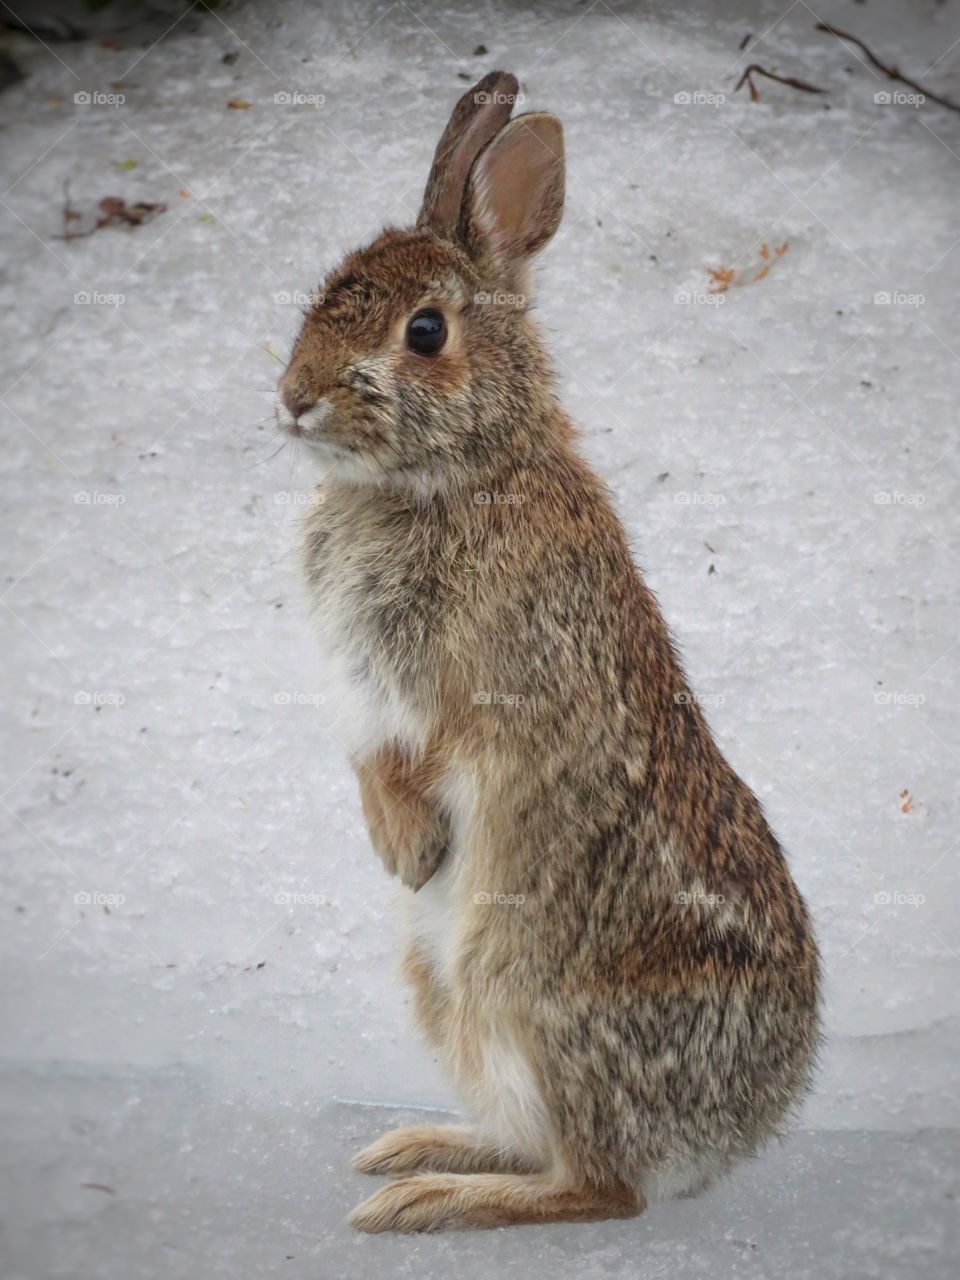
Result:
[[654, 965]]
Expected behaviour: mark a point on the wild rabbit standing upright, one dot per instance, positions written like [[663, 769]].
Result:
[[607, 947]]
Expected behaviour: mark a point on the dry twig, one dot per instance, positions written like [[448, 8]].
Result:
[[888, 70], [755, 69]]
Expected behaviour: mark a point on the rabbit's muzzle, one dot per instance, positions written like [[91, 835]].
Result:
[[303, 419]]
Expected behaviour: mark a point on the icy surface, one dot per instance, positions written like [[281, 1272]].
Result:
[[218, 1024]]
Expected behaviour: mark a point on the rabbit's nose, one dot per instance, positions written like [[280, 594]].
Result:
[[296, 404]]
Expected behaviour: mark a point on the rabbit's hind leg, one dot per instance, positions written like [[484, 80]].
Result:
[[451, 1202], [438, 1149]]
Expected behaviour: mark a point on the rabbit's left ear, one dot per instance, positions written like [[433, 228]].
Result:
[[477, 117], [514, 198]]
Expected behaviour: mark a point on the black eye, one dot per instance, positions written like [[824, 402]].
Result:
[[426, 332]]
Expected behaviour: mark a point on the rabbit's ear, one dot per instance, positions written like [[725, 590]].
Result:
[[479, 114], [514, 198]]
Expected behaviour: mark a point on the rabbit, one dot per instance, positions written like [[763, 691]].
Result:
[[606, 946]]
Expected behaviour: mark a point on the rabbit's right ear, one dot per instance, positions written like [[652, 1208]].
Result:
[[514, 197], [479, 115]]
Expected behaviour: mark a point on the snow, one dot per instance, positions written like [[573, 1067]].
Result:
[[214, 1029]]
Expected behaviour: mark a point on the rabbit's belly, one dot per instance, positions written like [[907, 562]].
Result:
[[440, 905], [487, 1054], [435, 921]]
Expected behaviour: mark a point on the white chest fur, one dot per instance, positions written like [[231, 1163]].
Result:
[[350, 566]]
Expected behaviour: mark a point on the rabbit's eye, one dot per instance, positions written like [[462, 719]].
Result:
[[426, 332]]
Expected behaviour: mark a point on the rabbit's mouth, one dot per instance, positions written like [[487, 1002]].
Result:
[[305, 421], [311, 424]]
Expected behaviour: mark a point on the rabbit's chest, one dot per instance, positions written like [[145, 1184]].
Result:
[[379, 609]]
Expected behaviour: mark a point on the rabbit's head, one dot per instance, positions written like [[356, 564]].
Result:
[[417, 362]]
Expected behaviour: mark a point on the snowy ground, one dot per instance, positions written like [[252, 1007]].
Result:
[[200, 1012]]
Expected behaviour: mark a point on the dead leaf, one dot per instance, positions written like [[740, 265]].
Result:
[[114, 212], [724, 277], [907, 802], [141, 212], [239, 104]]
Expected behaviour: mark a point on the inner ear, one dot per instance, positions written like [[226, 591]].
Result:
[[514, 197]]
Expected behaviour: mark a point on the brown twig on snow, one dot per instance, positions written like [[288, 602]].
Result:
[[755, 69], [888, 70]]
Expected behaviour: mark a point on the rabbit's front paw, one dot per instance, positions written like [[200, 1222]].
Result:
[[405, 830]]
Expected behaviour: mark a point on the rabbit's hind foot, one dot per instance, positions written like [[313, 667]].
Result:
[[438, 1149], [460, 1202]]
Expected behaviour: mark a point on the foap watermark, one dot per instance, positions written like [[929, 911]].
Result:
[[298, 298], [896, 898], [897, 298], [294, 98], [297, 498], [499, 298], [485, 498], [95, 498], [686, 697], [93, 898], [498, 99], [96, 98], [296, 899], [698, 498], [895, 698], [698, 98], [698, 298], [499, 899], [897, 98], [895, 498], [492, 698], [293, 698], [698, 898], [98, 698], [94, 298]]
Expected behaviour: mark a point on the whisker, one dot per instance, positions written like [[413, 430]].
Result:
[[274, 355], [261, 462]]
